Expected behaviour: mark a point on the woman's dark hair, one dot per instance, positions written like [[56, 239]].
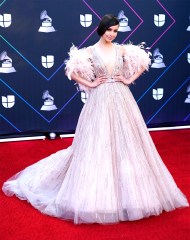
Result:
[[107, 21]]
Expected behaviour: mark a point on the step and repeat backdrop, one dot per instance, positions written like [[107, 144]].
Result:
[[35, 38]]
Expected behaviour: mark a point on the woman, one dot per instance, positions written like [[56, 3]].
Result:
[[112, 172]]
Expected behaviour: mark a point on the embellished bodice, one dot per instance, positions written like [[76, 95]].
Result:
[[88, 63], [101, 67]]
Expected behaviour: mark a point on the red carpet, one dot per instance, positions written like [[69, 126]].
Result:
[[19, 221]]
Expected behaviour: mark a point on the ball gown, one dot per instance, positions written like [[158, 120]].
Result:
[[112, 171]]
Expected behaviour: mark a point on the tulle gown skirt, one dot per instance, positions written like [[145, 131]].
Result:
[[112, 172]]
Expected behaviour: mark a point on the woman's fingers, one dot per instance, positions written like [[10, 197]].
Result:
[[102, 79], [119, 78]]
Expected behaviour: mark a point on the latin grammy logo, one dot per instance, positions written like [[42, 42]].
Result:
[[46, 23], [6, 66], [48, 102], [159, 20], [158, 59], [86, 20], [123, 22], [187, 100]]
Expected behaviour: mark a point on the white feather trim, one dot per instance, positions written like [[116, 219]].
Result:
[[135, 58], [79, 63]]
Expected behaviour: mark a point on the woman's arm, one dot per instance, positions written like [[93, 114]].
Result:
[[127, 81], [86, 83], [135, 62], [134, 77]]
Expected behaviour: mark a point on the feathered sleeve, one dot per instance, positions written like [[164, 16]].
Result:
[[79, 63], [135, 58]]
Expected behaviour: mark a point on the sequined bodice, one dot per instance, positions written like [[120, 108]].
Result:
[[101, 67]]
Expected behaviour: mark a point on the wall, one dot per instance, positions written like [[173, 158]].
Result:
[[35, 94]]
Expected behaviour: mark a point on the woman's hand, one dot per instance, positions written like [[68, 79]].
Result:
[[120, 78], [98, 81], [127, 81]]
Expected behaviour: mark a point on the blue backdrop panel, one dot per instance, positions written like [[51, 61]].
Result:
[[35, 37]]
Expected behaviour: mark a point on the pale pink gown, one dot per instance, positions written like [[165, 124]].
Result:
[[112, 172]]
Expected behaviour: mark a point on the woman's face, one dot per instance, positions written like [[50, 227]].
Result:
[[111, 33]]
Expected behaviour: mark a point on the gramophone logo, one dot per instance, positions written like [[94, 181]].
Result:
[[46, 23], [47, 61], [9, 101], [6, 65], [188, 28], [86, 20], [123, 22], [48, 102], [158, 93], [5, 20], [187, 100], [188, 57], [158, 59], [159, 20]]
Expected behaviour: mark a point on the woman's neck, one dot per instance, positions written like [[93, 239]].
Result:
[[103, 43]]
